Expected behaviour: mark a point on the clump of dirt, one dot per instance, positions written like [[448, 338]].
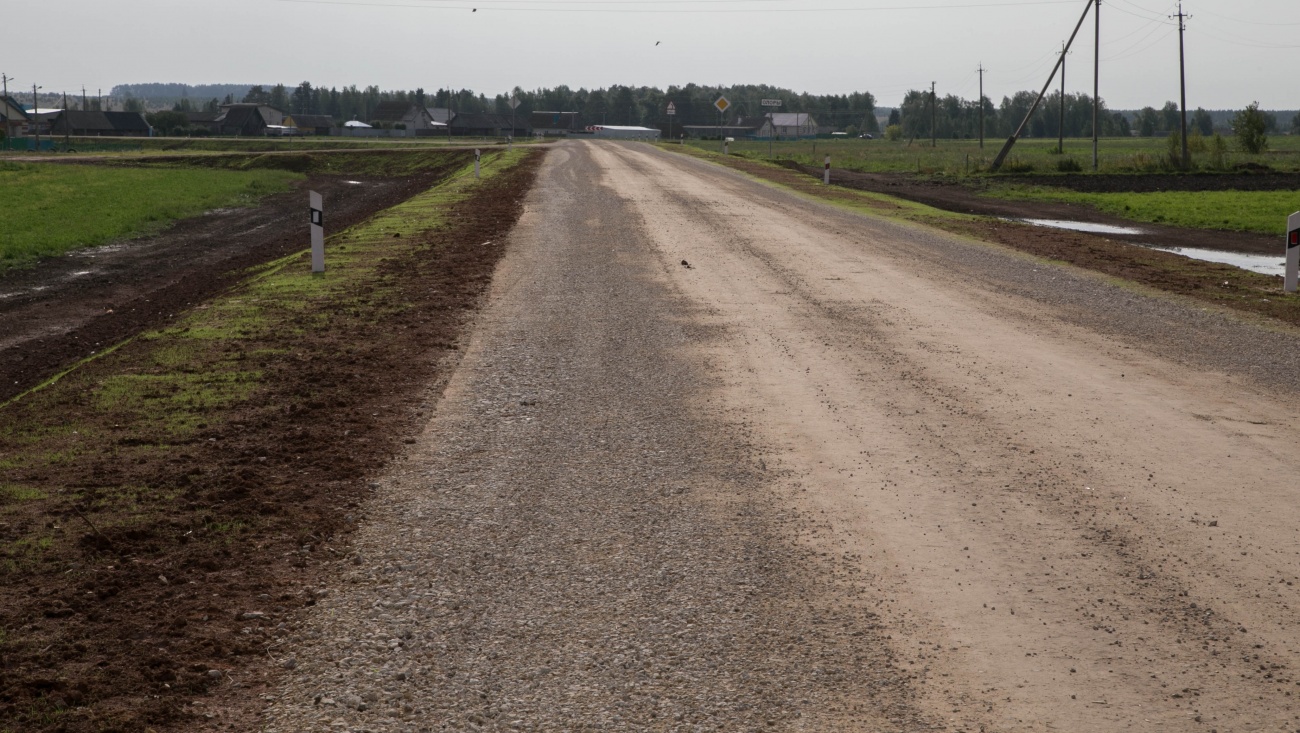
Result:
[[170, 602]]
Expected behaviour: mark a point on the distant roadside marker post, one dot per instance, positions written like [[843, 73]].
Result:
[[771, 122], [1292, 252], [672, 112], [514, 105], [826, 175], [477, 155], [317, 231], [723, 104]]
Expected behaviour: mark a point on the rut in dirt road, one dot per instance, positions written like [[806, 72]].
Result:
[[579, 541], [836, 474]]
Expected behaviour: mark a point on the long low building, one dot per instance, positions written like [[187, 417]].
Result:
[[624, 132]]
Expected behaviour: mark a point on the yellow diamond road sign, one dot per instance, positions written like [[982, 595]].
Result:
[[722, 104]]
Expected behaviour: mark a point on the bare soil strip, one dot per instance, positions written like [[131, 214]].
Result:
[[155, 542], [1071, 502]]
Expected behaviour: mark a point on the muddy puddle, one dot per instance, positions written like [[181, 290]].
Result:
[[1263, 264], [1083, 226]]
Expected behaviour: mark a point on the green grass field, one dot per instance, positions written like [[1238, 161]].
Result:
[[1264, 212], [962, 157], [50, 209]]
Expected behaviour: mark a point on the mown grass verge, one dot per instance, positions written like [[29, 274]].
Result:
[[51, 209], [150, 496], [1264, 212], [1221, 285]]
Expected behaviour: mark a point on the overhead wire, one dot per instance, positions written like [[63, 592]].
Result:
[[516, 7]]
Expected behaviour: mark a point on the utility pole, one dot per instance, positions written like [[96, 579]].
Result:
[[1060, 125], [36, 120], [1182, 77], [981, 106], [67, 123], [9, 130], [934, 116], [1096, 87], [84, 106]]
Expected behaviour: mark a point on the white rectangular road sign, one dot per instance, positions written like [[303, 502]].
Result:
[[771, 103], [672, 109]]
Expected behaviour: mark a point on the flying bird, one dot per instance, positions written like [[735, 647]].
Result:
[[658, 42]]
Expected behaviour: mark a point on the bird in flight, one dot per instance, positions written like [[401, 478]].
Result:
[[658, 42]]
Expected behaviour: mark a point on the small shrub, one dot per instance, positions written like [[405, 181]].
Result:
[[1016, 165], [1068, 165], [1218, 152], [894, 132], [1251, 128]]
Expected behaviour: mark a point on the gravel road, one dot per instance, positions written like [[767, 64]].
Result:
[[722, 458]]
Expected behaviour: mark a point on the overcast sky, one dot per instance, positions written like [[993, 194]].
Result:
[[1238, 50]]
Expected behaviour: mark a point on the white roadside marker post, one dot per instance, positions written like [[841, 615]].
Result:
[[826, 175], [317, 232], [477, 154], [1292, 252]]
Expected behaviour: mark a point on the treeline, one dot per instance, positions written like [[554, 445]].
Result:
[[613, 105], [954, 117]]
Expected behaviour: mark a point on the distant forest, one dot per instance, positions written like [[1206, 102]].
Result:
[[624, 105]]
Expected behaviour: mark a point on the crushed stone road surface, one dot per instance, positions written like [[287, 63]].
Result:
[[721, 458]]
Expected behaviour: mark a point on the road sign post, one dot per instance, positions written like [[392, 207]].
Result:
[[514, 105], [477, 155], [771, 122], [1292, 252], [316, 202], [723, 104], [672, 112]]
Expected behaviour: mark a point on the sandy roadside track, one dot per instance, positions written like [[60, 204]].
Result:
[[837, 474], [1070, 529]]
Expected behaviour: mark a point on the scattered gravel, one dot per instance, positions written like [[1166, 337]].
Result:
[[573, 546]]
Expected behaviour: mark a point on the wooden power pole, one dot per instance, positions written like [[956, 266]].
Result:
[[1060, 125], [981, 106], [1096, 87], [1182, 79], [934, 117]]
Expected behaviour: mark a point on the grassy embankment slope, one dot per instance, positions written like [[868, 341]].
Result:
[[50, 209]]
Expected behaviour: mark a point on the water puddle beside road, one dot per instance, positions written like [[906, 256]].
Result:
[[1263, 264], [1081, 226]]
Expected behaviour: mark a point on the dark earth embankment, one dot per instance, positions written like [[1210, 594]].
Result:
[[148, 568]]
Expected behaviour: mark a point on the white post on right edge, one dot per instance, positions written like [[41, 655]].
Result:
[[826, 175], [1292, 252], [317, 231], [477, 154]]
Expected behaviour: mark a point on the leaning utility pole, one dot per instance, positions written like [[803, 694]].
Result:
[[1060, 125], [1011, 141], [1096, 86], [1182, 77], [934, 116], [981, 106]]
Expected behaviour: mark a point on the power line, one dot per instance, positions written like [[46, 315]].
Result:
[[525, 9]]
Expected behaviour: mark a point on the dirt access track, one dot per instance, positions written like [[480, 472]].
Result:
[[67, 308], [965, 199], [719, 457]]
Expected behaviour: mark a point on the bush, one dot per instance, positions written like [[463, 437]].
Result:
[[1218, 151], [894, 132], [1251, 127], [1068, 165]]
